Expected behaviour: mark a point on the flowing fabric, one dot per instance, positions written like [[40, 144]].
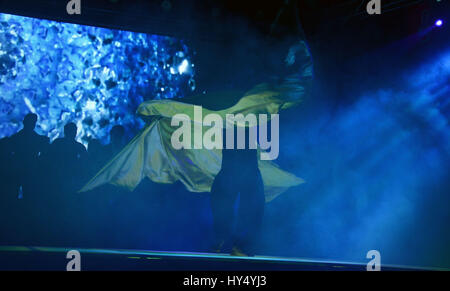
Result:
[[150, 154]]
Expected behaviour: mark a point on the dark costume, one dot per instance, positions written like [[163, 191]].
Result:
[[239, 180]]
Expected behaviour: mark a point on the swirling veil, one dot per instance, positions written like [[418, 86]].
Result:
[[150, 154]]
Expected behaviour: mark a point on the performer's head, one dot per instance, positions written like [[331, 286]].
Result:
[[70, 130], [29, 121]]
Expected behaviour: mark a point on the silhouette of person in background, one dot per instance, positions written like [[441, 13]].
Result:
[[68, 160], [23, 154], [117, 142], [239, 180], [26, 149], [99, 155]]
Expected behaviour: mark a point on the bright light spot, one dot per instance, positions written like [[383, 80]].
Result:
[[438, 22], [90, 105], [183, 67]]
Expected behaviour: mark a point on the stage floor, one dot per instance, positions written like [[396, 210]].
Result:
[[50, 258]]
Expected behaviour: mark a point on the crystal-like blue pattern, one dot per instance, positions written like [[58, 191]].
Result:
[[95, 77]]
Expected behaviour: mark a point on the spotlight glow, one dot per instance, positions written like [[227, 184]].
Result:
[[438, 22], [183, 67]]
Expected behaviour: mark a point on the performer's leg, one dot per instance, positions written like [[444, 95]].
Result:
[[223, 197], [250, 214]]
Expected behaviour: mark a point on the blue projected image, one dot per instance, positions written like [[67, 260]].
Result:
[[95, 77]]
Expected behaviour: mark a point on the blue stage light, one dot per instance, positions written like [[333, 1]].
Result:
[[438, 22]]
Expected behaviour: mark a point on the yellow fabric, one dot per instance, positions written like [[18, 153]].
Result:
[[150, 154], [263, 99]]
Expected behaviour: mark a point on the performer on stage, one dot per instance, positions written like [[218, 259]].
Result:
[[239, 179], [150, 154]]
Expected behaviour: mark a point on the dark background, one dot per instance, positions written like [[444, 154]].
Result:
[[376, 161]]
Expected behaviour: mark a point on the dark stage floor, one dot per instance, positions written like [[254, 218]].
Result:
[[49, 258]]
